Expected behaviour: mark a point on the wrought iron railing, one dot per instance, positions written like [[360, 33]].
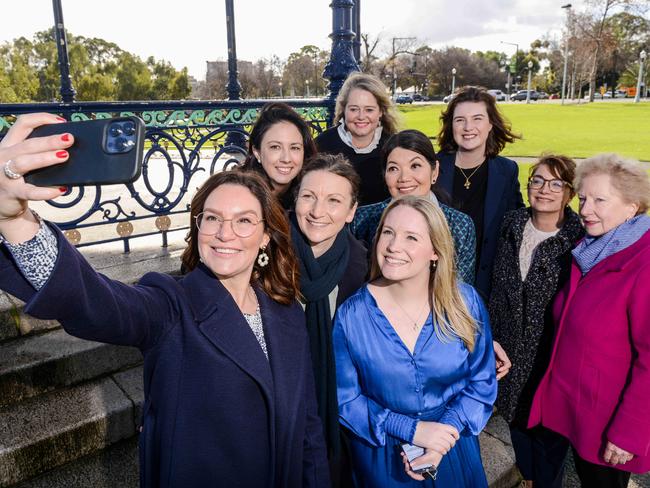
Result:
[[185, 143]]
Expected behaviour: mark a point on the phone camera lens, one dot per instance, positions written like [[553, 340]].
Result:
[[129, 128], [115, 131], [121, 144]]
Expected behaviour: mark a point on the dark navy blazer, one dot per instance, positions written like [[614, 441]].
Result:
[[216, 412], [503, 195]]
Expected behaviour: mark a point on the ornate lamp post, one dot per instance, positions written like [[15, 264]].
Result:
[[307, 84], [530, 70], [281, 96], [516, 59], [566, 51], [637, 97], [67, 91], [453, 80]]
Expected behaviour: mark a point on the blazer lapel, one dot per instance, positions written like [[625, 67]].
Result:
[[221, 322], [446, 176], [495, 187]]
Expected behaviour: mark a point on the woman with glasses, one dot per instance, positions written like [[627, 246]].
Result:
[[532, 263], [228, 382]]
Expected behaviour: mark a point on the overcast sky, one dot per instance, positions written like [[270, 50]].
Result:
[[190, 32]]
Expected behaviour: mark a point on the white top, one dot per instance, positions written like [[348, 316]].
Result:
[[529, 242]]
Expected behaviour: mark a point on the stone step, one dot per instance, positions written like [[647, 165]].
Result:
[[53, 429], [34, 365], [497, 454], [115, 466]]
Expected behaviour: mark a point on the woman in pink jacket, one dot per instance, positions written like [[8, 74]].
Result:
[[596, 391]]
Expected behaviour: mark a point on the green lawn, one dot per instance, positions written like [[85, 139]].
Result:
[[575, 130]]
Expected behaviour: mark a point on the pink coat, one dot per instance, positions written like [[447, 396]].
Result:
[[597, 386]]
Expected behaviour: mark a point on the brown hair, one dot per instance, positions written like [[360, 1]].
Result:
[[501, 132], [279, 279], [562, 167], [373, 85], [452, 317], [626, 175], [336, 164]]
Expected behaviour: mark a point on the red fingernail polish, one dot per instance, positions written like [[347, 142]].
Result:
[[62, 154], [65, 137], [63, 189], [61, 119]]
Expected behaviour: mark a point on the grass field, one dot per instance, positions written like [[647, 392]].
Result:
[[575, 130]]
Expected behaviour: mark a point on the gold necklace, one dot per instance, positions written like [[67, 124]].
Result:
[[415, 325], [468, 183]]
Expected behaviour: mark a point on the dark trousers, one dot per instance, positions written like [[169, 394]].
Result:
[[596, 476], [540, 455]]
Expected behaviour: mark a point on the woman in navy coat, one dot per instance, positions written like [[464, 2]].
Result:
[[229, 393], [480, 183]]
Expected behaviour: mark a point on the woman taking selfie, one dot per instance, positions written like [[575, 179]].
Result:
[[410, 167], [532, 264], [279, 143], [365, 118], [595, 391], [333, 265], [414, 358], [481, 183], [229, 395]]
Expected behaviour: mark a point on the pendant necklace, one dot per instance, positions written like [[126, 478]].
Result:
[[468, 183], [415, 325]]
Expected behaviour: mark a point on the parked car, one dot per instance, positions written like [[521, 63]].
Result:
[[403, 98], [542, 95], [621, 94], [448, 98], [498, 95], [523, 94], [418, 97]]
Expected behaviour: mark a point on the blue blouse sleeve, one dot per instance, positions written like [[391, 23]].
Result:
[[358, 412], [471, 408]]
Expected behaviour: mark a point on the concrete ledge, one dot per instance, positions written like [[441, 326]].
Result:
[[53, 429], [32, 366], [497, 455]]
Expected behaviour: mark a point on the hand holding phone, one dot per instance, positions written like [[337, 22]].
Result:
[[413, 453], [105, 152]]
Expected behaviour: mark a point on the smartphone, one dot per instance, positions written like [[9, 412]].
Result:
[[105, 152], [413, 452]]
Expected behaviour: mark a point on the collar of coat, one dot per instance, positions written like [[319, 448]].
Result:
[[570, 232]]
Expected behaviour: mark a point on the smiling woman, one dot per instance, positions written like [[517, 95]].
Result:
[[226, 353], [333, 265], [366, 117]]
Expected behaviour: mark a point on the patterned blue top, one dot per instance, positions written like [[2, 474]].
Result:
[[461, 226]]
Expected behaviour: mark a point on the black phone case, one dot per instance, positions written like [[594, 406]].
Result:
[[89, 163]]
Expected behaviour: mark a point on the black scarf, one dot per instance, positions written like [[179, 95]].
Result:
[[318, 277]]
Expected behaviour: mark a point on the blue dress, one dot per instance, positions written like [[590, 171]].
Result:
[[383, 390]]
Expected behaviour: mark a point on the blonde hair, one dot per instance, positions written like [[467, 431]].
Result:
[[626, 175], [452, 317], [372, 84]]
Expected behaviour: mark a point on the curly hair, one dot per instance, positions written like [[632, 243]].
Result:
[[372, 84], [501, 132], [279, 279]]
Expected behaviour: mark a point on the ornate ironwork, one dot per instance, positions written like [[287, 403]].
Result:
[[185, 143]]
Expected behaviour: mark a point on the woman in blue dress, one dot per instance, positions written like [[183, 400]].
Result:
[[414, 357]]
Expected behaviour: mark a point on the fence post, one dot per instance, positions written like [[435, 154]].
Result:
[[67, 91]]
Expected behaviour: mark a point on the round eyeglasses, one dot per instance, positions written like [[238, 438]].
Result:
[[555, 185], [210, 224]]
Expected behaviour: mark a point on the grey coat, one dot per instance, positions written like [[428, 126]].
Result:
[[520, 310]]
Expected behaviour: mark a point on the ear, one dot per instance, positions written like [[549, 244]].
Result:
[[351, 213], [256, 153], [266, 238], [435, 173], [634, 209], [434, 256]]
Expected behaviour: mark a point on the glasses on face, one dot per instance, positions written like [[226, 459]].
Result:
[[210, 224], [555, 185]]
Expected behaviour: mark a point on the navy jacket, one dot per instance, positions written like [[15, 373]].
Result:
[[503, 195], [216, 412]]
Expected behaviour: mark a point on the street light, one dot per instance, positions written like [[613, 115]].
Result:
[[530, 70], [516, 59], [307, 83], [566, 51], [453, 80], [637, 97], [280, 89]]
